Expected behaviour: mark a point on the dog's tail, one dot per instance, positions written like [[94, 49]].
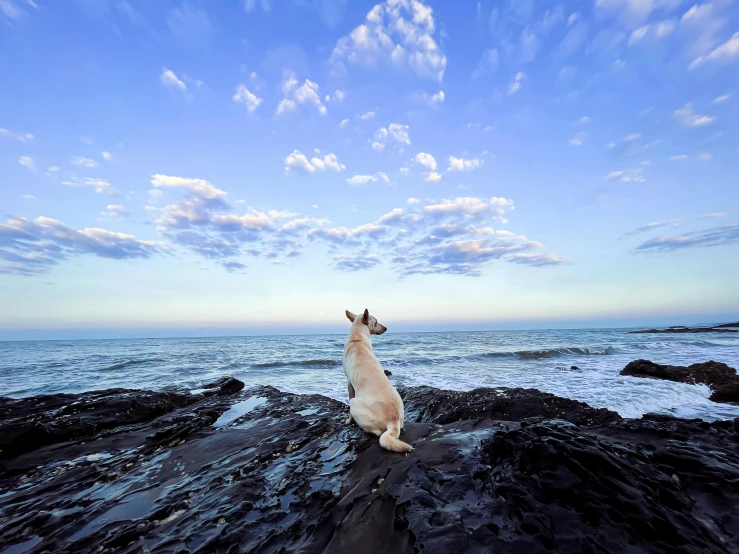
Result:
[[389, 440]]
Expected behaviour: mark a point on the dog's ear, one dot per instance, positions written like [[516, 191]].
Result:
[[351, 316], [365, 317]]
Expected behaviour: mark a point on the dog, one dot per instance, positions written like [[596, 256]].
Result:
[[373, 401]]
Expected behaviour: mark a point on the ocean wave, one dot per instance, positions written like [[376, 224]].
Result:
[[127, 363], [553, 353], [297, 363]]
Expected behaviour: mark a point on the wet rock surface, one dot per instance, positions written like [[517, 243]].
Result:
[[259, 470], [720, 378]]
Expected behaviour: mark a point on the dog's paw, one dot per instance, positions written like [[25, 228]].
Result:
[[348, 420]]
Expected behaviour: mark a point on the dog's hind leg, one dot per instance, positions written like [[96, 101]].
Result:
[[364, 417], [351, 395]]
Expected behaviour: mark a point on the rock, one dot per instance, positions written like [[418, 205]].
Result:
[[493, 470], [575, 368], [388, 372], [226, 385], [720, 378], [429, 405], [681, 329]]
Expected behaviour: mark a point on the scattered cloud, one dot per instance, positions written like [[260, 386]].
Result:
[[460, 164], [299, 95], [433, 177], [516, 83], [337, 97], [728, 51], [426, 160], [84, 162], [101, 186], [27, 162], [718, 100], [537, 260], [190, 24], [28, 197], [714, 215], [357, 180], [251, 5], [679, 158], [394, 135], [652, 226], [578, 139], [247, 98], [687, 116], [115, 210], [397, 32], [107, 156], [487, 65], [716, 236], [34, 247], [584, 120], [23, 137], [634, 175], [367, 115], [297, 161], [344, 123], [169, 79]]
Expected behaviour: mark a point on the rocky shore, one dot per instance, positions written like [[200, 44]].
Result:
[[259, 470], [723, 328]]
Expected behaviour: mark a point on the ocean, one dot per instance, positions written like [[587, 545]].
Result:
[[459, 361]]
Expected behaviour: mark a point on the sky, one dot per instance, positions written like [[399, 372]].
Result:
[[255, 166]]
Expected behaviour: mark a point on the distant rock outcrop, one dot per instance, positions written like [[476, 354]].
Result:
[[720, 378]]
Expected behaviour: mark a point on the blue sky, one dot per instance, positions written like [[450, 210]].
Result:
[[262, 165]]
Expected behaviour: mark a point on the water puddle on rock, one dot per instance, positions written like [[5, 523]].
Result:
[[239, 409], [20, 547], [309, 411]]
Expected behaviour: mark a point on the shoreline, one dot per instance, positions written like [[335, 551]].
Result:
[[258, 469]]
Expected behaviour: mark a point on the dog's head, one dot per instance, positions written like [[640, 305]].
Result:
[[375, 327]]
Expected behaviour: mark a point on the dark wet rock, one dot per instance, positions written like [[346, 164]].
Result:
[[226, 385], [427, 404], [720, 378], [574, 368], [388, 372], [264, 471], [724, 325]]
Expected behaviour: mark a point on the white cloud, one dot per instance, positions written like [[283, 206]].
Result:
[[27, 162], [107, 156], [433, 177], [426, 160], [679, 158], [101, 186], [198, 187], [413, 200], [583, 120], [23, 137], [249, 99], [460, 164], [169, 79], [634, 175], [705, 156], [578, 139], [395, 135], [84, 162], [721, 99], [344, 123], [367, 115], [113, 210], [299, 162], [633, 13], [652, 32], [356, 180], [337, 97], [437, 98], [305, 94], [516, 83], [250, 5], [574, 18], [399, 32], [52, 169], [714, 215], [28, 197], [725, 52], [687, 116], [487, 64], [404, 170]]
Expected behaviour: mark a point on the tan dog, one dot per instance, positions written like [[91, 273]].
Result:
[[373, 402]]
